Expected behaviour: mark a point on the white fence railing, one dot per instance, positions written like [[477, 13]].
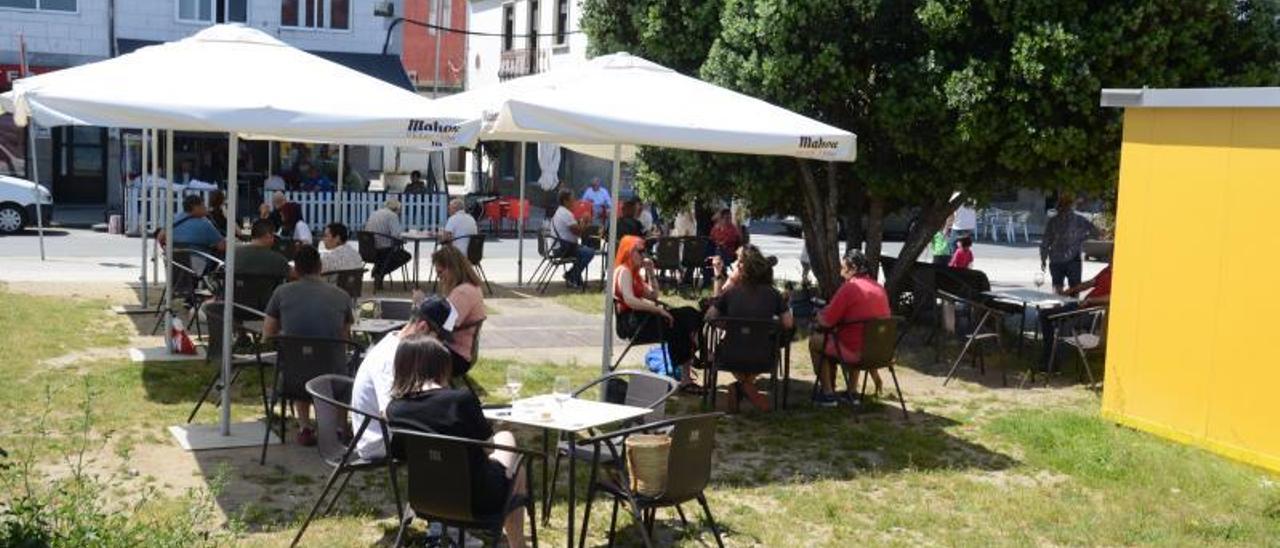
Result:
[[133, 202], [417, 211]]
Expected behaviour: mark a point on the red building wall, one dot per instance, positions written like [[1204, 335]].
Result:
[[419, 55]]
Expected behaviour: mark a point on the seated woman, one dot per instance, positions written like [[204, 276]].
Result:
[[635, 288], [460, 284], [292, 226], [748, 294], [860, 297], [422, 400]]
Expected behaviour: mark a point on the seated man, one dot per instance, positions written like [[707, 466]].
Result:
[[385, 224], [315, 181], [460, 227], [1099, 295], [568, 231], [259, 257], [309, 307], [416, 185], [192, 228], [335, 254], [860, 297], [271, 212], [371, 389], [628, 222]]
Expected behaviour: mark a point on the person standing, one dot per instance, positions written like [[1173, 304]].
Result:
[[460, 227], [308, 307], [601, 203], [964, 222], [568, 232], [385, 225], [1062, 245]]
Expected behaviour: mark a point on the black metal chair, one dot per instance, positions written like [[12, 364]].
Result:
[[213, 355], [367, 244], [666, 256], [337, 443], [253, 292], [986, 329], [693, 440], [285, 246], [440, 484], [693, 259], [750, 344], [557, 254], [643, 389], [648, 329], [879, 351], [298, 360], [194, 280], [351, 281], [475, 254], [1084, 330]]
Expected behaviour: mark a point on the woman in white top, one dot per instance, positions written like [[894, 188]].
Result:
[[292, 226], [335, 254]]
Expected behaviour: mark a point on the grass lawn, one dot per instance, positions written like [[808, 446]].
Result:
[[974, 466]]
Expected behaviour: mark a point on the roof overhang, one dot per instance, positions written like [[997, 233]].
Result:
[[1192, 98]]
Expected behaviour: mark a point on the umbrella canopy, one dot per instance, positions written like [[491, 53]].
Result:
[[624, 99], [235, 79]]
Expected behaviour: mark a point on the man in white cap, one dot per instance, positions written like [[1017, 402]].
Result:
[[385, 225]]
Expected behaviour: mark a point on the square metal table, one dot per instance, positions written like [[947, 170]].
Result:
[[376, 327], [417, 237], [1029, 298], [575, 415]]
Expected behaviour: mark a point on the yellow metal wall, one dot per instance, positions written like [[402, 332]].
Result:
[[1193, 350]]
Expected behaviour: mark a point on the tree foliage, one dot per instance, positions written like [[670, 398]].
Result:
[[971, 96]]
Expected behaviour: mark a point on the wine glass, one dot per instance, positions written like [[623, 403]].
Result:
[[1039, 279], [515, 379], [560, 390]]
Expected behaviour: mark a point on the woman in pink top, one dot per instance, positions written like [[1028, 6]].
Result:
[[460, 284], [963, 256]]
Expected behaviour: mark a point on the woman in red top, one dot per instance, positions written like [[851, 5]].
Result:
[[726, 237], [860, 297], [635, 289]]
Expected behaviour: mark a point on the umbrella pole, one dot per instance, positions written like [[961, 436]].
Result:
[[341, 201], [35, 178], [143, 215], [524, 170], [229, 286], [607, 358], [168, 234], [155, 202]]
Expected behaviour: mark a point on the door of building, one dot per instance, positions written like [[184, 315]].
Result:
[[79, 165]]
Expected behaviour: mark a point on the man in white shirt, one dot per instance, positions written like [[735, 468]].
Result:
[[274, 182], [460, 227], [371, 391], [568, 231], [385, 224], [601, 203], [964, 221]]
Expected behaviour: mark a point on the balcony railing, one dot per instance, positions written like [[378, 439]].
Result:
[[523, 62]]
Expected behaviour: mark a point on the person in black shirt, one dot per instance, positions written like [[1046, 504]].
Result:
[[421, 400], [628, 223], [748, 294]]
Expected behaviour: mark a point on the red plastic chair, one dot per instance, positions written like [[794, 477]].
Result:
[[518, 209], [493, 212], [582, 208]]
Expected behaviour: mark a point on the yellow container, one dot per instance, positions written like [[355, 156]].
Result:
[[1193, 350]]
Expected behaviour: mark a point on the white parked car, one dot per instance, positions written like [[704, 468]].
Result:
[[18, 204]]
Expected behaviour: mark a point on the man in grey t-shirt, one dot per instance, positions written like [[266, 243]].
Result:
[[309, 307]]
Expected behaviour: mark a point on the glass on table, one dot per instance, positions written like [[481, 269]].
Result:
[[561, 391], [515, 380], [1038, 279]]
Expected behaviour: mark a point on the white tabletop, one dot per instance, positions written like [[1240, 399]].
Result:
[[1031, 297], [418, 235], [377, 325], [575, 414]]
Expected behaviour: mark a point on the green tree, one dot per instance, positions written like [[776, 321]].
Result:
[[952, 100]]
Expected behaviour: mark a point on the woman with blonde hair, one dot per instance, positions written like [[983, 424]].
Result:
[[460, 284]]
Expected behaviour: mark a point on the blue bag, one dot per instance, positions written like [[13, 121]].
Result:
[[658, 361]]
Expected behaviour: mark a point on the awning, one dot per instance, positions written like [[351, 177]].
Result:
[[387, 68]]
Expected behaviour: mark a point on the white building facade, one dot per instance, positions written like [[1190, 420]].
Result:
[[86, 166], [514, 38]]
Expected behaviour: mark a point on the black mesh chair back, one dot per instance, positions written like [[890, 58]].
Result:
[[300, 359], [254, 291], [879, 342], [332, 423], [439, 475], [475, 249], [367, 246], [965, 282], [285, 246], [746, 344], [543, 246], [666, 254], [185, 275], [351, 281], [213, 330], [642, 389], [693, 252], [693, 440]]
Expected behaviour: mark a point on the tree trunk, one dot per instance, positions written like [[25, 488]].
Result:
[[854, 234], [820, 234], [875, 231], [932, 217]]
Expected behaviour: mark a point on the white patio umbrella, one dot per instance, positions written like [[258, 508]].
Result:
[[620, 100], [238, 80]]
